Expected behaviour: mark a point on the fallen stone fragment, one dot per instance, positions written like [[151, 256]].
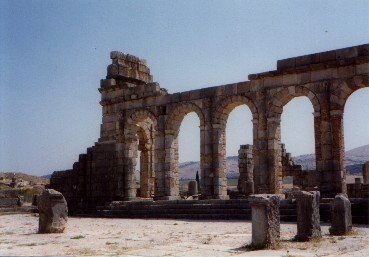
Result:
[[53, 211]]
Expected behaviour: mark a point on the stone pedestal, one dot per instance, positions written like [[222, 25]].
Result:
[[308, 217], [265, 220], [366, 173], [192, 188], [340, 216], [53, 212]]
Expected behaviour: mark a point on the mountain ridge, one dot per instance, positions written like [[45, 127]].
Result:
[[354, 159]]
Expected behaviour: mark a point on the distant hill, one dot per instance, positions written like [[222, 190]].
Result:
[[22, 180], [354, 160], [46, 176]]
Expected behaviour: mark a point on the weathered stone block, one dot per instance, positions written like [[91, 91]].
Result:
[[53, 211], [340, 216], [192, 188], [308, 217], [265, 220]]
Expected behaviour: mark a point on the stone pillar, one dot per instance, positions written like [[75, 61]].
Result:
[[245, 167], [129, 165], [171, 165], [260, 153], [330, 160], [53, 212], [159, 161], [366, 173], [338, 152], [308, 217], [274, 155], [144, 172], [219, 162], [206, 161], [340, 216], [265, 220], [192, 188]]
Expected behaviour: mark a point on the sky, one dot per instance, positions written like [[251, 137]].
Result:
[[54, 53]]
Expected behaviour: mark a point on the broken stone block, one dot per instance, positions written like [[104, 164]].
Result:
[[340, 216], [53, 212], [265, 220], [192, 188], [308, 216]]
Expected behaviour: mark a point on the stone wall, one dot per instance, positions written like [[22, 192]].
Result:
[[139, 115], [307, 180]]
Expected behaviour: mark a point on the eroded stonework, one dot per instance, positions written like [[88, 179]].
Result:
[[138, 115]]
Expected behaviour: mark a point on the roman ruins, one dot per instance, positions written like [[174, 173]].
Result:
[[139, 115]]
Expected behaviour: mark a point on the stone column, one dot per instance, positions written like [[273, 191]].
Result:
[[219, 162], [144, 172], [338, 152], [274, 155], [129, 165], [260, 154], [340, 216], [206, 186], [159, 161], [330, 159], [308, 217], [245, 167], [171, 166], [366, 173], [206, 158], [265, 220]]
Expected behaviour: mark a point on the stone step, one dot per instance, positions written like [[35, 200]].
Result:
[[216, 209]]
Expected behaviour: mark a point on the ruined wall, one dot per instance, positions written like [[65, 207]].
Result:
[[138, 114], [307, 180]]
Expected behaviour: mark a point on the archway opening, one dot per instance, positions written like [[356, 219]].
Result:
[[298, 145], [188, 152], [143, 165], [138, 155], [356, 134], [238, 141]]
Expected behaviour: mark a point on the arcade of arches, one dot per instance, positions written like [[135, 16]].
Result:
[[139, 115]]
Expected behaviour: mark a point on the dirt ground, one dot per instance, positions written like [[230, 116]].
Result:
[[135, 237]]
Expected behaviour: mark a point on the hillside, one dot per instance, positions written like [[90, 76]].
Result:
[[354, 160], [22, 178]]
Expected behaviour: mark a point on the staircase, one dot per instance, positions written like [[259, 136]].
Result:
[[235, 209]]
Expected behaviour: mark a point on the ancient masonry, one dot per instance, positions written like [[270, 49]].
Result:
[[138, 115]]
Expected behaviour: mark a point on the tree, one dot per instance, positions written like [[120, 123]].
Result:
[[198, 179]]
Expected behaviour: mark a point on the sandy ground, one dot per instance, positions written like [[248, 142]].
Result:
[[134, 237]]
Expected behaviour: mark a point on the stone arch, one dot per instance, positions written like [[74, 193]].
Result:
[[219, 121], [175, 117], [282, 97], [226, 105], [172, 126], [275, 108], [139, 135], [343, 90], [141, 115]]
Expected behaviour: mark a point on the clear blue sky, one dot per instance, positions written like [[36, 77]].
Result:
[[54, 53]]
